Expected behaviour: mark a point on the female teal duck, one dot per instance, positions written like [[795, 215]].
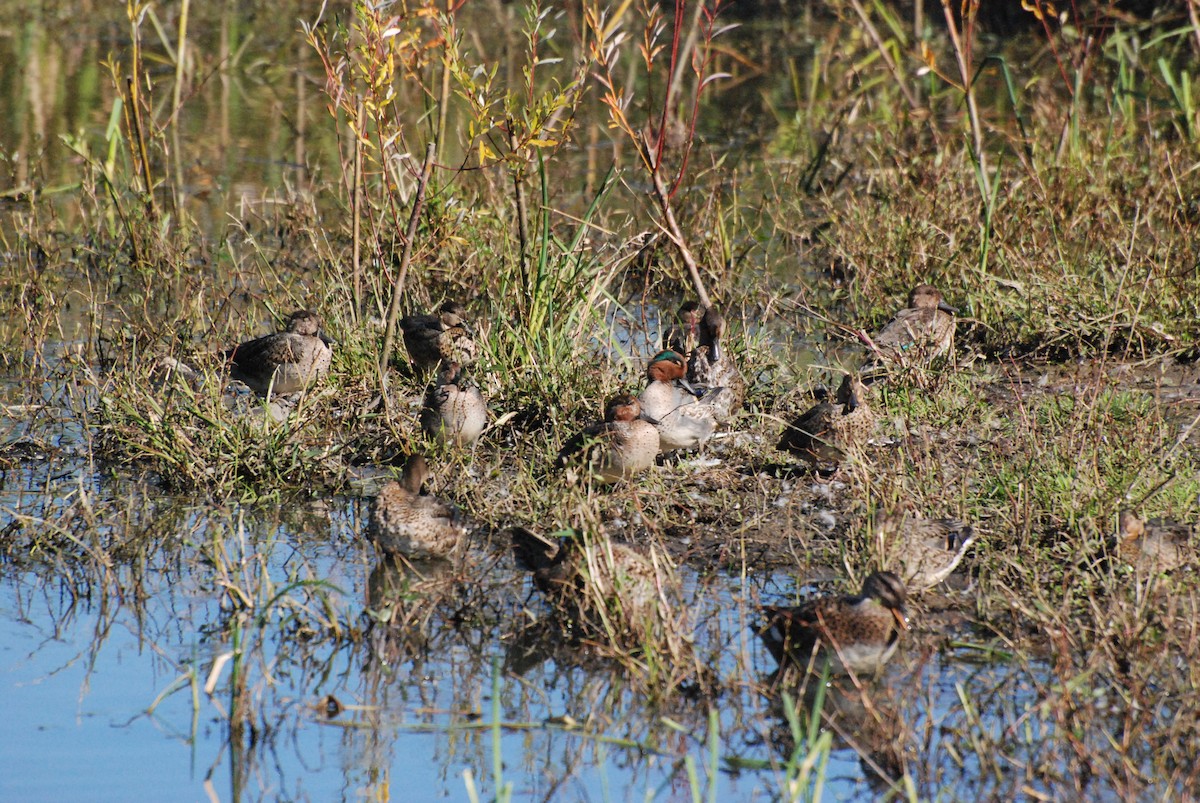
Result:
[[444, 336], [711, 366], [622, 446], [686, 415], [855, 634], [926, 551], [825, 431], [564, 566], [455, 410], [284, 362], [683, 335], [612, 591], [1154, 546], [921, 332], [406, 522]]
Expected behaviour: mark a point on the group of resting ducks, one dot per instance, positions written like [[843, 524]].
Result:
[[692, 386]]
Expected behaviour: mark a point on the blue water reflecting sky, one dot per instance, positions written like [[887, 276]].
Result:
[[77, 677]]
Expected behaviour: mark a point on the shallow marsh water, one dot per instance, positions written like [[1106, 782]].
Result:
[[116, 678], [82, 667], [118, 684]]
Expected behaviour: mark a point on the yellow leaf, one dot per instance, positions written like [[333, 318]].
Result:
[[615, 20], [927, 56], [1039, 9]]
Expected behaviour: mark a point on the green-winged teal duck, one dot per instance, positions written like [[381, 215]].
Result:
[[444, 336], [921, 332], [455, 410], [857, 634], [1154, 546], [711, 366], [823, 433], [406, 522], [925, 551], [623, 445], [284, 362], [687, 416]]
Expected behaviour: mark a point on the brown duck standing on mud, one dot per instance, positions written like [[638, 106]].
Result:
[[406, 522], [823, 433], [444, 336], [857, 634], [455, 410], [925, 550], [622, 446], [919, 333], [711, 366], [284, 362], [1154, 546]]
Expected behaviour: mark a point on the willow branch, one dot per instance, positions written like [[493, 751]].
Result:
[[676, 234]]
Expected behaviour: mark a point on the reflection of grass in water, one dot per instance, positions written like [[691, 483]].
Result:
[[285, 629]]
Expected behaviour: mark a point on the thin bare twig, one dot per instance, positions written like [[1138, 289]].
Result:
[[1194, 16], [676, 234], [356, 222], [518, 177]]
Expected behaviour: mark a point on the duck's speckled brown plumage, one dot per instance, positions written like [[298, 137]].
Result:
[[283, 362], [405, 522], [565, 565], [856, 633], [685, 420], [610, 589], [925, 551], [455, 410], [443, 337], [823, 433], [683, 335], [620, 447], [921, 332], [711, 366], [1154, 546]]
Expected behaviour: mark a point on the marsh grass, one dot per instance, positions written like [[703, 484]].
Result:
[[1058, 240]]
